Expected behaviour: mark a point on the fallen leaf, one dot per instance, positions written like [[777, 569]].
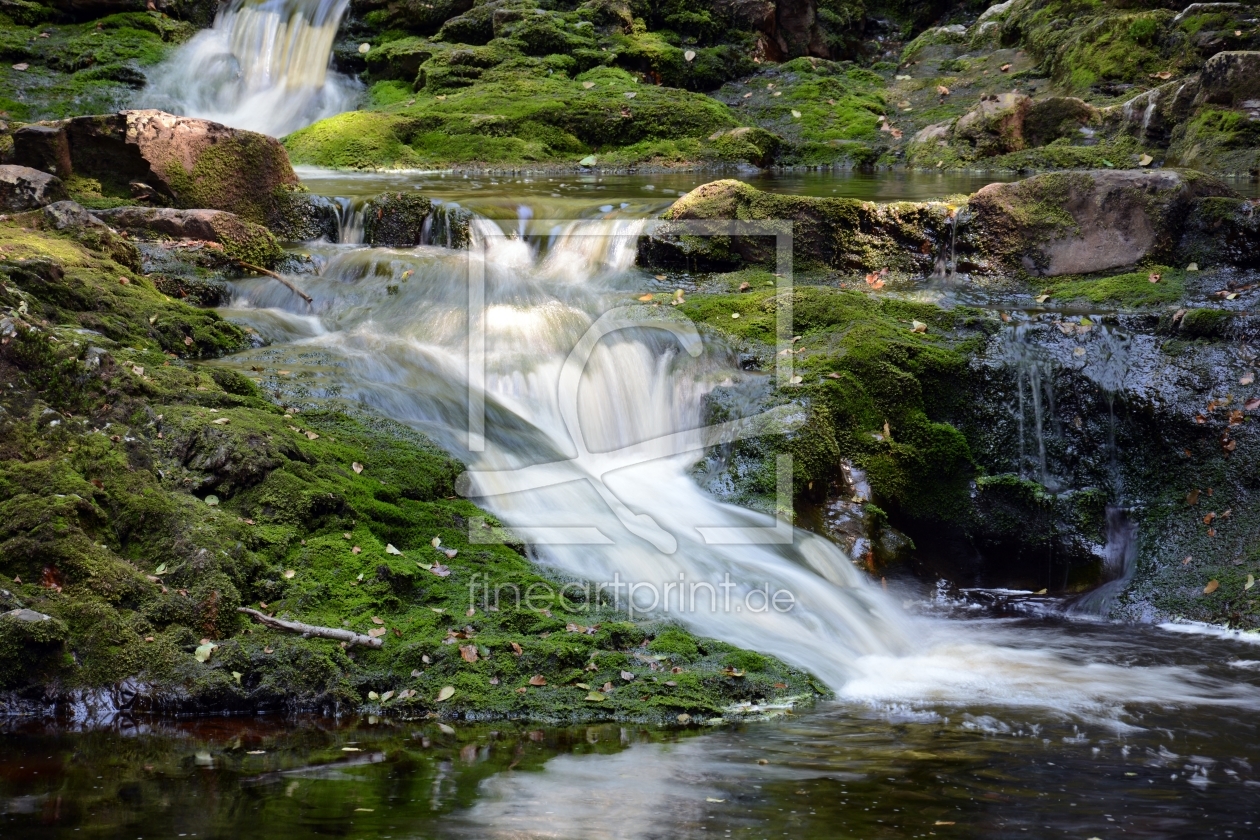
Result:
[[372, 695], [1145, 160], [594, 696], [356, 550], [1194, 266], [357, 467], [312, 436], [1252, 404], [1251, 581], [160, 570], [1162, 75], [918, 327], [21, 66], [389, 549], [630, 94], [1154, 277], [796, 380], [1005, 68], [1207, 520], [446, 693], [446, 730], [205, 651], [646, 297], [440, 570], [522, 689], [376, 632], [376, 620], [588, 85], [1192, 498], [1211, 587], [689, 55], [188, 341], [538, 679], [796, 114], [942, 90], [627, 676], [435, 542], [1042, 298], [351, 749], [1247, 378]]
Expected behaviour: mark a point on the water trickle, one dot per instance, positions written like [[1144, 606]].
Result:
[[263, 66], [1033, 408], [1119, 564]]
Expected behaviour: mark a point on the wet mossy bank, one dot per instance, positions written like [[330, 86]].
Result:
[[147, 493], [970, 418]]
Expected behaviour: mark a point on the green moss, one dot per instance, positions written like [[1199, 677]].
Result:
[[1134, 289], [862, 368], [1205, 323]]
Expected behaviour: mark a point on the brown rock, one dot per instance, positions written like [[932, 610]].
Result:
[[23, 188], [188, 162], [240, 239], [1229, 78], [1082, 222]]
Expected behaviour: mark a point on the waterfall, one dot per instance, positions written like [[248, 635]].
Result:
[[349, 221], [263, 66], [591, 461], [1119, 564]]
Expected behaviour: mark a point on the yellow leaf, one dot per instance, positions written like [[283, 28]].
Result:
[[595, 696], [1042, 298], [205, 651], [351, 749], [1145, 160], [1251, 581], [646, 297], [446, 693], [372, 695], [236, 675], [711, 799]]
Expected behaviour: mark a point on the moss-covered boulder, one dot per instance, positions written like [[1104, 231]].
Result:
[[404, 220], [995, 125], [189, 163], [838, 233], [240, 239]]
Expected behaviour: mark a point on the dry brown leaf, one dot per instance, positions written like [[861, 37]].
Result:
[[1252, 404], [1154, 277], [1192, 498], [942, 90], [1207, 520], [1005, 68], [627, 676], [538, 679], [516, 649], [377, 620], [446, 693], [1212, 586], [468, 652], [357, 467]]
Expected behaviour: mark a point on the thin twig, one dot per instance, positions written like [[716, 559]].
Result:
[[348, 636], [303, 295]]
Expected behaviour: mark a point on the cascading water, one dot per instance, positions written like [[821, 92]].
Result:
[[1033, 407], [592, 458], [263, 66]]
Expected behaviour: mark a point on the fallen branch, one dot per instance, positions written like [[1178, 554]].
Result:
[[308, 630], [260, 270]]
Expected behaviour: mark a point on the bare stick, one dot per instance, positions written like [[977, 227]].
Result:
[[260, 270], [348, 636]]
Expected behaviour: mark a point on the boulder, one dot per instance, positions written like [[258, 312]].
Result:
[[1054, 117], [23, 188], [63, 215], [1082, 222], [1221, 231], [241, 239], [995, 126], [841, 233], [405, 220], [1230, 78], [182, 161]]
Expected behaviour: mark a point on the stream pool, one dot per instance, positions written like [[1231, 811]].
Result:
[[1055, 729]]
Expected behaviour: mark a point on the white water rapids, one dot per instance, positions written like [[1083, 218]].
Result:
[[405, 354], [263, 66]]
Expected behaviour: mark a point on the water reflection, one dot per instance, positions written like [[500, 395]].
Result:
[[1171, 752]]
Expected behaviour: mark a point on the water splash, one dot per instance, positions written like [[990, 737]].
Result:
[[263, 66]]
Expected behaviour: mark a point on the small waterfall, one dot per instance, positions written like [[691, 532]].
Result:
[[349, 221], [1119, 564], [1108, 369], [946, 266], [263, 66], [595, 455]]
